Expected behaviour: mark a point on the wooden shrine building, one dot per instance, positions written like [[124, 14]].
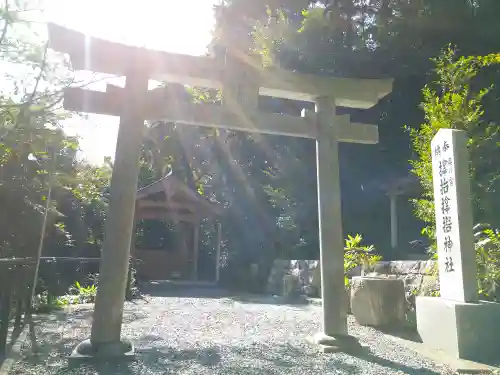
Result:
[[168, 215]]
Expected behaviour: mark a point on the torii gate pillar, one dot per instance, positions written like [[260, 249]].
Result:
[[105, 338], [334, 336]]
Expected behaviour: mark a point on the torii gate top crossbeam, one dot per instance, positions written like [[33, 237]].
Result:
[[98, 55], [160, 107]]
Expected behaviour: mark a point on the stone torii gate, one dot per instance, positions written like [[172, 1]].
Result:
[[241, 80]]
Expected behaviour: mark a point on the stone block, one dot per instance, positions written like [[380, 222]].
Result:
[[463, 330], [428, 267], [291, 286], [380, 275], [429, 285], [356, 271], [348, 300], [306, 271], [310, 291], [413, 281], [313, 264], [278, 271], [382, 267], [378, 302], [414, 268], [416, 275], [316, 279], [400, 267]]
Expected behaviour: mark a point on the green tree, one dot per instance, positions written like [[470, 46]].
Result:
[[455, 101], [32, 142], [369, 39]]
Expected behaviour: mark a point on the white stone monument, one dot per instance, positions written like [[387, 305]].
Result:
[[456, 322], [450, 171]]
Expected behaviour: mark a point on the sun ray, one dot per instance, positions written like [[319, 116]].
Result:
[[166, 25]]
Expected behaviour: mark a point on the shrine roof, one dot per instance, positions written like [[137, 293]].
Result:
[[170, 195]]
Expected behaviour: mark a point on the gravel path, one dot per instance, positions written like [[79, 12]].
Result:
[[207, 332]]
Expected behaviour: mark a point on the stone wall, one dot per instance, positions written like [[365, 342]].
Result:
[[417, 275], [306, 273]]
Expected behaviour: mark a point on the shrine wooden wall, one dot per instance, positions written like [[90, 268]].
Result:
[[162, 264]]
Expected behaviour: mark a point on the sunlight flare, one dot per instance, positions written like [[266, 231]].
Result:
[[173, 26]]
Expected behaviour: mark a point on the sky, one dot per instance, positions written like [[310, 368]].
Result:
[[169, 25]]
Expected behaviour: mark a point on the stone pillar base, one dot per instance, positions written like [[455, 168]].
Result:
[[338, 343], [122, 351], [462, 330]]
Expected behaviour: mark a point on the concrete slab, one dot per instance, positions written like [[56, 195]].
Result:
[[461, 366], [463, 330]]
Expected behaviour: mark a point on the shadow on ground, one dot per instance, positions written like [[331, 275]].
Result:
[[257, 359], [207, 357], [84, 314], [405, 333], [11, 341]]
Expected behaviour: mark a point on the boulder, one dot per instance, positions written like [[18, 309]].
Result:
[[378, 302]]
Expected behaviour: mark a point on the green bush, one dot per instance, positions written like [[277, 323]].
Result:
[[356, 254], [85, 294], [78, 294], [487, 247], [44, 303]]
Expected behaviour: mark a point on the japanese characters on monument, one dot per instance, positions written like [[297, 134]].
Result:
[[444, 161], [456, 258]]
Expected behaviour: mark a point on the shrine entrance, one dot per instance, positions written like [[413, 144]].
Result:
[[241, 79], [168, 216]]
